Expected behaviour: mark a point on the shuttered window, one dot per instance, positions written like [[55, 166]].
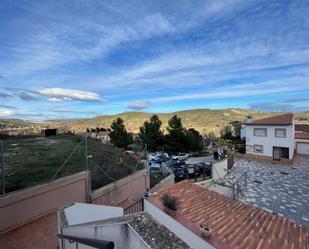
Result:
[[260, 132], [280, 132]]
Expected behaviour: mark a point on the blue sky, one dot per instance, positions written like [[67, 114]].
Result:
[[69, 59]]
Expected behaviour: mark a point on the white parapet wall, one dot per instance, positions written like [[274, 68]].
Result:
[[219, 169], [180, 230]]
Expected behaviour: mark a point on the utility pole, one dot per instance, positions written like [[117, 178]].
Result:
[[2, 167]]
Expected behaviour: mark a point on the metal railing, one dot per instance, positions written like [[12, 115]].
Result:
[[240, 186], [95, 243], [136, 207]]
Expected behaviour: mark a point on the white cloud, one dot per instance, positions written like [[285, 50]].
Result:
[[6, 112], [74, 112], [138, 105], [55, 100], [243, 90], [61, 94]]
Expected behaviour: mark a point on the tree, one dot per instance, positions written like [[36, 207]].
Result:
[[119, 135], [194, 141], [151, 133], [236, 128], [226, 132], [210, 137], [176, 138]]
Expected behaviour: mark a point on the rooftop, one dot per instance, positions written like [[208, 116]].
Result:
[[284, 119], [233, 223], [302, 135], [302, 127]]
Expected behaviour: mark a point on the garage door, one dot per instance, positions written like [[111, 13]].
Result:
[[303, 148]]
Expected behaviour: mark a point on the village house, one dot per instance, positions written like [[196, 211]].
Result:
[[275, 137]]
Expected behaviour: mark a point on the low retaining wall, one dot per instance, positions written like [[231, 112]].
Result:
[[264, 158], [219, 168], [130, 187], [26, 205], [166, 182]]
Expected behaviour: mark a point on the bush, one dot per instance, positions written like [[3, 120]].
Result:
[[170, 202]]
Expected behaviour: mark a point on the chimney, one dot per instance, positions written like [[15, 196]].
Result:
[[249, 119]]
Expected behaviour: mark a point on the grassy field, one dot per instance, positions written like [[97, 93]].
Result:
[[34, 160]]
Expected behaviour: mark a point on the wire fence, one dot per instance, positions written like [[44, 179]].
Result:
[[35, 160], [240, 187]]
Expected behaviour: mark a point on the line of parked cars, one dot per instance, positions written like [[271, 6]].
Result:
[[177, 164]]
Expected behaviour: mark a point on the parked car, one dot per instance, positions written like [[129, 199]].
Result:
[[193, 170], [180, 174], [172, 163], [159, 159], [205, 167], [181, 156], [154, 167], [133, 154]]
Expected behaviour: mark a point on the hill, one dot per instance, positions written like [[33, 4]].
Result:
[[204, 120]]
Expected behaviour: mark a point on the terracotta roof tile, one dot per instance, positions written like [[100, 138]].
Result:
[[302, 135], [284, 119], [233, 223], [302, 127]]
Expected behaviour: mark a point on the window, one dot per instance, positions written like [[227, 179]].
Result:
[[280, 132], [258, 149], [260, 132]]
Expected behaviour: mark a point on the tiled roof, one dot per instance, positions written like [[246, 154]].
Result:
[[302, 127], [284, 119], [302, 135], [233, 223]]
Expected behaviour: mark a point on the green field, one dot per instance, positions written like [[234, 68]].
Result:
[[34, 160]]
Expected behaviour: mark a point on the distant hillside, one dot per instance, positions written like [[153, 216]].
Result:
[[204, 120]]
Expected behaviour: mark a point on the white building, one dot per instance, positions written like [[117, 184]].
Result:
[[272, 137]]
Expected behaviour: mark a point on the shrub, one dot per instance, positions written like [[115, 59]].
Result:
[[170, 202]]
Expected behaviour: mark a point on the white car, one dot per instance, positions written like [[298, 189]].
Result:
[[181, 156]]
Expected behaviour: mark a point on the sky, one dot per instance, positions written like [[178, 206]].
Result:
[[78, 59]]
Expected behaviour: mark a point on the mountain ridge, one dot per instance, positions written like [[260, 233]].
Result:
[[203, 120]]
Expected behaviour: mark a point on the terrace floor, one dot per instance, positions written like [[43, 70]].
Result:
[[277, 188]]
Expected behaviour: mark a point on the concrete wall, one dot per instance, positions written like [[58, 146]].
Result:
[[250, 156], [166, 182], [270, 140], [130, 187], [121, 234], [26, 205], [193, 240], [37, 234], [79, 213], [219, 169]]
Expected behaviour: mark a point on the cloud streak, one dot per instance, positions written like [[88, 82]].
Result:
[[61, 94], [282, 107], [138, 105]]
